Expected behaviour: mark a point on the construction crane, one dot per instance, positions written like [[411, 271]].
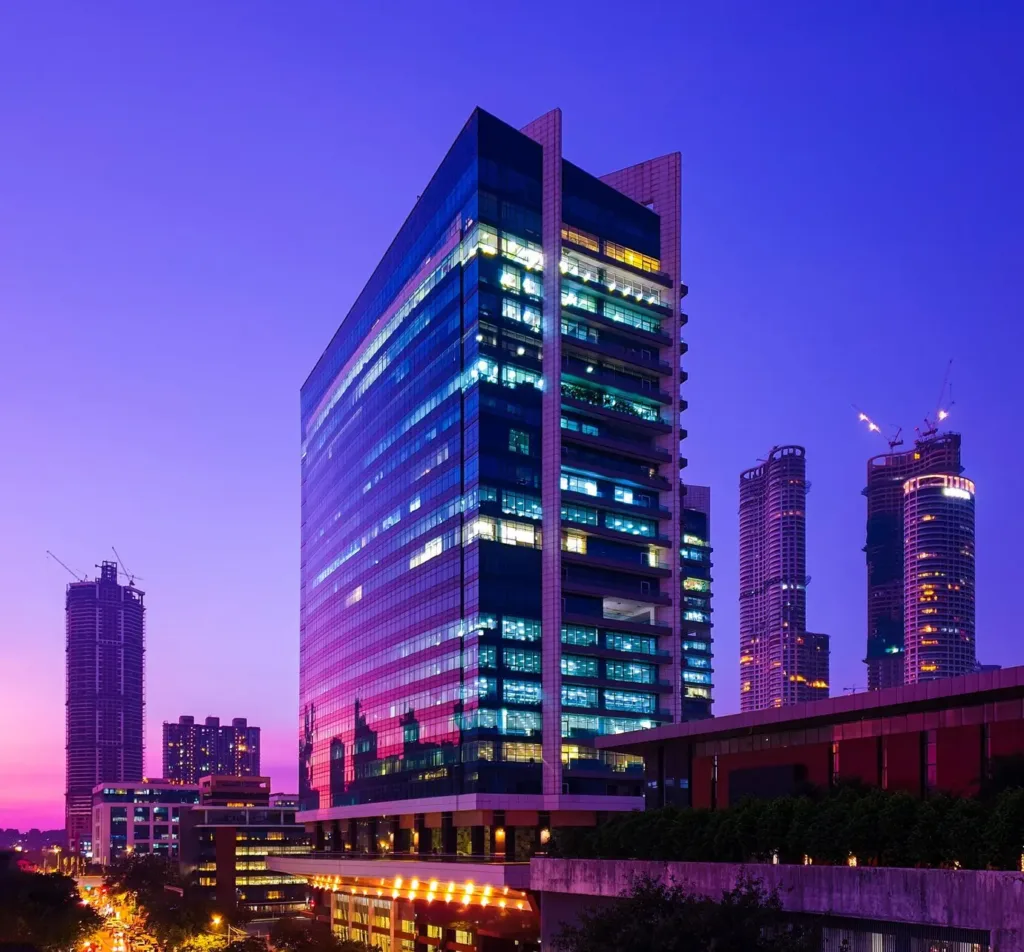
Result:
[[128, 575], [931, 423], [893, 441], [74, 574]]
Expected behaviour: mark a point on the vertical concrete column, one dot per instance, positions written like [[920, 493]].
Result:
[[351, 913], [351, 838], [658, 184], [337, 843], [421, 835], [547, 130], [449, 835], [510, 843]]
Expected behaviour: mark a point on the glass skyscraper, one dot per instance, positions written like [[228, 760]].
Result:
[[491, 509]]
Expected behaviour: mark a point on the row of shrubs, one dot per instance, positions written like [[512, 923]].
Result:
[[874, 826]]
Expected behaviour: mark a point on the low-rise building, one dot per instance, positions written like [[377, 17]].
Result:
[[139, 817], [940, 736], [225, 842]]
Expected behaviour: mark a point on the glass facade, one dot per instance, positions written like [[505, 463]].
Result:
[[695, 558], [484, 367]]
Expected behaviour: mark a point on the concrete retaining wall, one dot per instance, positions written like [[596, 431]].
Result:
[[966, 899]]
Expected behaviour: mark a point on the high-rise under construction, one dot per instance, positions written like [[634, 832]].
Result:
[[934, 455], [105, 644]]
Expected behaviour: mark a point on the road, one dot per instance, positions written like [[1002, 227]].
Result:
[[120, 932]]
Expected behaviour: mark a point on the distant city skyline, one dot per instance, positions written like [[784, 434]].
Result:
[[177, 248]]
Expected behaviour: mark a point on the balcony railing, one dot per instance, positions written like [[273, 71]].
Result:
[[645, 451], [611, 402], [595, 341], [633, 384]]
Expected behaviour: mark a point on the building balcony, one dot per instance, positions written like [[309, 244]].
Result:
[[644, 359], [583, 373], [653, 339], [658, 277], [631, 509], [581, 586], [613, 468], [593, 402], [617, 623], [613, 535], [659, 686], [642, 565], [598, 287], [652, 454], [659, 657]]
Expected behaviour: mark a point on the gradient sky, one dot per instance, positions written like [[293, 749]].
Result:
[[193, 193]]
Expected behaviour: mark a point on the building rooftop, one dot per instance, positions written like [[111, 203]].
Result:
[[980, 688]]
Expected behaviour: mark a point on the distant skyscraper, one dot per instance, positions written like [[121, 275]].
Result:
[[696, 562], [938, 577], [812, 666], [935, 455], [775, 648], [105, 628], [194, 750]]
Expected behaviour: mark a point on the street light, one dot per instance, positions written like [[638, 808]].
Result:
[[229, 930]]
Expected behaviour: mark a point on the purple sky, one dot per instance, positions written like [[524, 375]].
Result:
[[192, 194]]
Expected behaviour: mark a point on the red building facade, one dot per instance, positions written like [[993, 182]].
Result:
[[940, 736]]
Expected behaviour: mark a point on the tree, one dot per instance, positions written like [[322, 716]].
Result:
[[1004, 773], [658, 917], [177, 920], [297, 934], [199, 942], [43, 910], [143, 876], [178, 917], [248, 944]]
